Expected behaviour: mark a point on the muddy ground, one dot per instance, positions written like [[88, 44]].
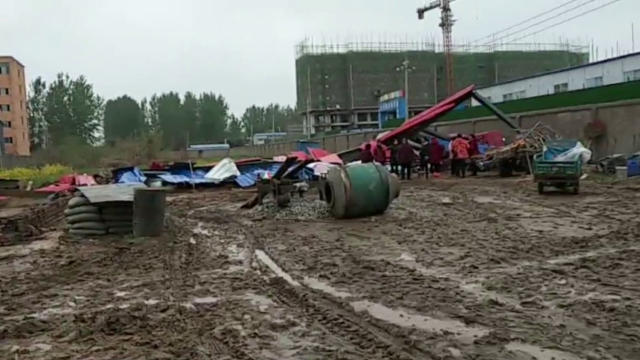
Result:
[[456, 269]]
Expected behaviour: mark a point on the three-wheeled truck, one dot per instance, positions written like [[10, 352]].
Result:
[[563, 174]]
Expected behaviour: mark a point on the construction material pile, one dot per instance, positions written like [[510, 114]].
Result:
[[529, 142], [84, 218], [298, 209]]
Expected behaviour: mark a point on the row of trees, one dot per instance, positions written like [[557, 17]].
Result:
[[69, 108]]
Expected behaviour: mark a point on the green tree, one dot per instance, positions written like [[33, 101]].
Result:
[[36, 109], [123, 119], [213, 113], [257, 119], [57, 111], [190, 118], [235, 133], [169, 108], [72, 109]]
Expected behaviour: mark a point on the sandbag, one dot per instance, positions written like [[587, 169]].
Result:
[[89, 225], [84, 209], [117, 210], [120, 230], [87, 232], [78, 201], [116, 224], [117, 218], [73, 219]]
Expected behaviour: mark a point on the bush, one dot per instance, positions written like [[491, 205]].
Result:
[[40, 176]]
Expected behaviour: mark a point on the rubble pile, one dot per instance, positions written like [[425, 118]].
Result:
[[31, 222], [299, 209]]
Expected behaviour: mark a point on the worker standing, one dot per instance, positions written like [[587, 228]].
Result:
[[379, 154], [473, 151], [436, 156], [365, 154], [425, 149], [394, 157], [406, 156], [460, 148]]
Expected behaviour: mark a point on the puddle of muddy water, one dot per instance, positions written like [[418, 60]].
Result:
[[206, 300], [322, 286], [266, 260], [402, 318], [481, 293], [23, 250], [540, 353], [595, 253], [486, 200]]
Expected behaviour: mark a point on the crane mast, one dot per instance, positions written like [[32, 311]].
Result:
[[446, 23]]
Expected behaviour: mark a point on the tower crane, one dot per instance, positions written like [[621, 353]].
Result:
[[446, 23]]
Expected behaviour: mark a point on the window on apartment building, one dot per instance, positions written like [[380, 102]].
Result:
[[4, 91], [632, 75], [559, 88], [514, 95], [21, 104], [5, 107], [4, 68], [362, 117], [594, 82], [8, 140], [7, 123], [19, 73]]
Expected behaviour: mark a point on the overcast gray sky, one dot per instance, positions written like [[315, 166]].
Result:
[[244, 49]]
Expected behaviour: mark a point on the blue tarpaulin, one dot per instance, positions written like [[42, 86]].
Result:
[[250, 173], [129, 175]]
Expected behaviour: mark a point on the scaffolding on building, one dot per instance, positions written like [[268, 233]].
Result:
[[309, 47]]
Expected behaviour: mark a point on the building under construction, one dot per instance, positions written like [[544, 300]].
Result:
[[339, 87]]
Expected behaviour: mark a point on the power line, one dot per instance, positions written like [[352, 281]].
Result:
[[526, 20], [567, 20], [540, 22]]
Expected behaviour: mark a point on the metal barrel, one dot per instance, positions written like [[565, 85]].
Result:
[[360, 190], [148, 211]]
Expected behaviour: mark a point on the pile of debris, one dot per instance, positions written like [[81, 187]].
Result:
[[31, 222], [298, 209]]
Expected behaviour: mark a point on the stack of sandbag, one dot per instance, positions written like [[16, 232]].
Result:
[[117, 217], [83, 218]]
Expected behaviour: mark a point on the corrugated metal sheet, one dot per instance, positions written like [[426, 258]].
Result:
[[109, 193]]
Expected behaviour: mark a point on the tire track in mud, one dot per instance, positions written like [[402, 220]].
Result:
[[347, 325]]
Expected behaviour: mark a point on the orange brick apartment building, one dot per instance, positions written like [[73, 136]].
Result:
[[13, 108]]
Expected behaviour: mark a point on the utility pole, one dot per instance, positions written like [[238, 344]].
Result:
[[406, 69], [309, 103], [446, 23]]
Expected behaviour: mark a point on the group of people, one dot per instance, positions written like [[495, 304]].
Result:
[[403, 157], [461, 150], [431, 156]]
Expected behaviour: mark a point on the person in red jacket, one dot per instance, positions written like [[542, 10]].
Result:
[[474, 150], [365, 154], [406, 157], [460, 149], [379, 154], [436, 155]]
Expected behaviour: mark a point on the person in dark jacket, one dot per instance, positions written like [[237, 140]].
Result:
[[425, 149], [436, 156], [365, 154], [394, 157], [474, 150], [406, 157]]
